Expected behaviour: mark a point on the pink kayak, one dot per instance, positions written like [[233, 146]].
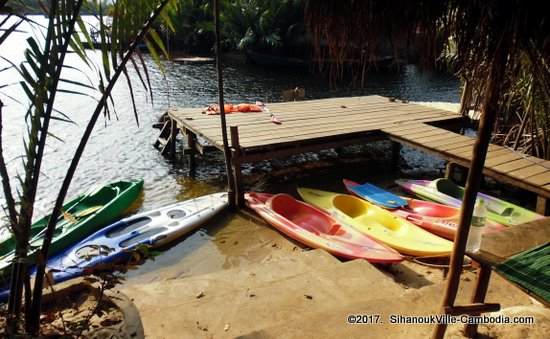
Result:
[[439, 219], [317, 229]]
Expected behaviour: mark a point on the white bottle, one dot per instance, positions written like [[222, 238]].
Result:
[[476, 229]]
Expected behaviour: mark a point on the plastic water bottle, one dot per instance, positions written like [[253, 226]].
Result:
[[476, 229]]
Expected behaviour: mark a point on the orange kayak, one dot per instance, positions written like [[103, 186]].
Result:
[[317, 229]]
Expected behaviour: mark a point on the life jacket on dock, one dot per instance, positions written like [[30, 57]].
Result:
[[230, 108]]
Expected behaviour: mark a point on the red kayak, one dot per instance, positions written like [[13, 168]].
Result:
[[317, 229], [439, 219]]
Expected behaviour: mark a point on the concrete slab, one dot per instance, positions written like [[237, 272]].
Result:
[[240, 302]]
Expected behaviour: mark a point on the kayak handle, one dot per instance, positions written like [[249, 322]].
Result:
[[415, 219]]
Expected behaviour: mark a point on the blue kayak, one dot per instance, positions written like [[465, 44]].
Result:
[[375, 195], [117, 243]]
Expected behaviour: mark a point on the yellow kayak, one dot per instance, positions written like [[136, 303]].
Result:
[[378, 223]]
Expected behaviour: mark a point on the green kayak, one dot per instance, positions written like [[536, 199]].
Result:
[[83, 216], [7, 241], [447, 192]]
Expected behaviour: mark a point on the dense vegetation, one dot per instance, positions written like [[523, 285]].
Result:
[[274, 26]]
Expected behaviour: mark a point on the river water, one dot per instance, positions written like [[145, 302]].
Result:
[[122, 149]]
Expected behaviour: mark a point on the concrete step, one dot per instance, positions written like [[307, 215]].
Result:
[[331, 322], [226, 281], [235, 302]]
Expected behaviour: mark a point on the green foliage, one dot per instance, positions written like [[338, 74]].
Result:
[[193, 25], [265, 25]]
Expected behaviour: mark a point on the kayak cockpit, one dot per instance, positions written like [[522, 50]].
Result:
[[303, 215]]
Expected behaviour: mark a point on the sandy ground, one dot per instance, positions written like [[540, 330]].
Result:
[[264, 285]]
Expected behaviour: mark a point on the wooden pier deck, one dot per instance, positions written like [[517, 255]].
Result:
[[502, 164], [313, 125]]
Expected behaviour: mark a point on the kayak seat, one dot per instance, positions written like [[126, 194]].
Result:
[[450, 188], [301, 214], [508, 212], [128, 227], [106, 193], [138, 238], [351, 206]]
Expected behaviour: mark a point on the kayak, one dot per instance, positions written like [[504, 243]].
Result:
[[439, 219], [378, 223], [117, 243], [375, 194], [447, 192], [7, 241], [96, 209], [317, 229]]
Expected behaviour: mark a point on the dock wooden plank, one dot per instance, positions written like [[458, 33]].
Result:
[[464, 144], [270, 127], [527, 172], [504, 156], [541, 179], [310, 124], [263, 120], [249, 133], [449, 140], [308, 133], [515, 165], [432, 140]]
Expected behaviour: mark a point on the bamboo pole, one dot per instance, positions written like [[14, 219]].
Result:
[[219, 71], [487, 122]]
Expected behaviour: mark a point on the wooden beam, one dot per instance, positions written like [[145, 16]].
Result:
[[480, 291], [191, 144], [236, 164], [542, 205], [488, 117], [472, 309], [449, 170], [173, 138], [395, 154]]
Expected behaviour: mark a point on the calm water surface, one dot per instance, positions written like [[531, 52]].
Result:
[[122, 149]]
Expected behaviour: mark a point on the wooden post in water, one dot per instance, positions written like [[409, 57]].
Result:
[[487, 121], [226, 151], [192, 149], [395, 154], [449, 170], [236, 163], [172, 139]]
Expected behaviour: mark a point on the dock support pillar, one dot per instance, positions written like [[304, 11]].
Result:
[[395, 154], [192, 149], [172, 138], [542, 205], [236, 164], [449, 170], [480, 291]]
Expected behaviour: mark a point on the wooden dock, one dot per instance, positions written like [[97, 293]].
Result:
[[314, 125]]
